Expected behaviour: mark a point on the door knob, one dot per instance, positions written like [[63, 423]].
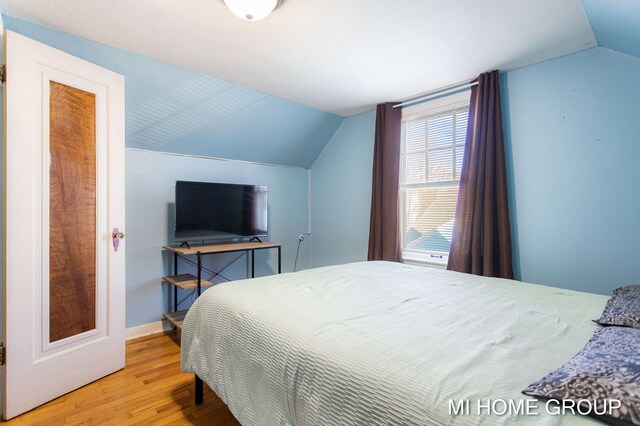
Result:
[[116, 236]]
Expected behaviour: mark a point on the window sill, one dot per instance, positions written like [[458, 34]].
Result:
[[420, 259]]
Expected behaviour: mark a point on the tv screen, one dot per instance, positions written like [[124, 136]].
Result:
[[206, 211]]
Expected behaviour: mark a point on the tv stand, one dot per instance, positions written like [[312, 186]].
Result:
[[188, 281], [197, 282], [255, 239]]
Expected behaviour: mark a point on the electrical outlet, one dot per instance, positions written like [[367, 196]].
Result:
[[301, 237]]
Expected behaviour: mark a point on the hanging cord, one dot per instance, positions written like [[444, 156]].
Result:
[[295, 264]]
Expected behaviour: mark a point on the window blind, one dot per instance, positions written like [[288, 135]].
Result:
[[431, 161]]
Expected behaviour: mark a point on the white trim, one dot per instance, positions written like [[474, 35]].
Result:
[[206, 157], [148, 329], [448, 104], [309, 211], [436, 94], [459, 84], [426, 256], [437, 106], [412, 258]]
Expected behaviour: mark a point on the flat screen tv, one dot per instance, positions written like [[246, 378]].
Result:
[[219, 211]]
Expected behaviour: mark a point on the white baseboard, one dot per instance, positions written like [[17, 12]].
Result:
[[148, 329]]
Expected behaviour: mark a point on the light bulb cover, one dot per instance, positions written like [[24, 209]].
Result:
[[251, 10]]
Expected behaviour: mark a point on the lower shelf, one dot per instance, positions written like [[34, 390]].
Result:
[[176, 318], [186, 281]]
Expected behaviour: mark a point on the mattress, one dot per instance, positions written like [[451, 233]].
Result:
[[379, 343]]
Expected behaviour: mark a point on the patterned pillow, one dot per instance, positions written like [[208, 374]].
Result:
[[623, 308], [605, 370]]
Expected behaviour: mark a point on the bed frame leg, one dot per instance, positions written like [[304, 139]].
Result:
[[199, 390]]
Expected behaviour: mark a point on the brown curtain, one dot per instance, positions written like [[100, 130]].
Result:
[[384, 228], [481, 242]]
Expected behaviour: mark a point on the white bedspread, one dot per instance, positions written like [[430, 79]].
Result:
[[377, 343]]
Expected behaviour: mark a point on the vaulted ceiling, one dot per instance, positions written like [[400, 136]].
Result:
[[338, 56], [268, 91], [173, 109]]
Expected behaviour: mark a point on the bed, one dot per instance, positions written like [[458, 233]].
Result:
[[379, 343]]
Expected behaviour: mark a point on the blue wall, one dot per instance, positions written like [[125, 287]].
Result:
[[616, 24], [341, 194], [150, 182], [572, 142], [172, 109], [573, 145], [153, 88]]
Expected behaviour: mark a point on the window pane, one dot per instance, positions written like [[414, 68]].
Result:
[[440, 130], [429, 216], [461, 125], [440, 165], [414, 168], [415, 136], [430, 179], [459, 157]]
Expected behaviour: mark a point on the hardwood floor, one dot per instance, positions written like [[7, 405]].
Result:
[[150, 390]]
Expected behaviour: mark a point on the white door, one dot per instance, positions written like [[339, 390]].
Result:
[[64, 180]]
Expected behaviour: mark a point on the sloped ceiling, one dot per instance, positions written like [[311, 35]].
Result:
[[176, 110], [616, 24], [334, 55], [261, 90]]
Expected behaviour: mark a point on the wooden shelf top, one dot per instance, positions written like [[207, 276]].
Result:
[[176, 318], [186, 281], [221, 248]]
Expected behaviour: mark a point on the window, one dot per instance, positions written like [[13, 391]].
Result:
[[433, 139]]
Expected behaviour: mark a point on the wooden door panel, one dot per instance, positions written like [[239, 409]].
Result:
[[72, 211]]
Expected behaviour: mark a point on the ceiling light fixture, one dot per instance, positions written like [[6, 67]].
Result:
[[252, 10]]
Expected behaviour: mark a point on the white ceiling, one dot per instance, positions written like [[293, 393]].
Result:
[[340, 56]]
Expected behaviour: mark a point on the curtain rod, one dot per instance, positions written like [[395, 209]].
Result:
[[435, 93]]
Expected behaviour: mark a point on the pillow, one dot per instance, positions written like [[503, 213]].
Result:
[[623, 308], [605, 370]]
